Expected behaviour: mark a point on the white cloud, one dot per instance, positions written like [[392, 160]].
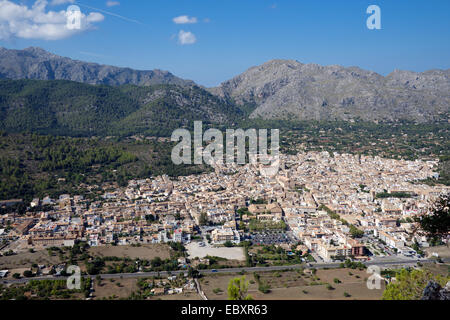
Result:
[[35, 22], [112, 3], [186, 37], [95, 17], [184, 20]]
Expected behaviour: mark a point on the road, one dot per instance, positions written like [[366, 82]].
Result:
[[199, 290], [381, 262]]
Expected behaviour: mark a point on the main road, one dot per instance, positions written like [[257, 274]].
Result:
[[381, 262]]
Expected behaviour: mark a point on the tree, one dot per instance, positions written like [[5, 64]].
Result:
[[355, 232], [228, 244], [237, 289], [264, 287], [27, 274], [193, 273], [95, 267], [98, 278], [203, 219], [437, 223], [409, 285]]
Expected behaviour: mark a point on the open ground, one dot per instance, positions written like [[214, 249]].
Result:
[[146, 251], [235, 253], [294, 285]]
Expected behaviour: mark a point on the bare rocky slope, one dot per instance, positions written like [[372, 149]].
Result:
[[288, 89], [38, 64]]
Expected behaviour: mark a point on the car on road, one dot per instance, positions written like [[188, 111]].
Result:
[[213, 270]]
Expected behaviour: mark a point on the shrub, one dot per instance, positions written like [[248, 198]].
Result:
[[228, 244], [264, 288], [27, 274]]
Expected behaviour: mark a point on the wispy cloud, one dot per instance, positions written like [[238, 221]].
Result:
[[36, 22], [93, 54], [59, 2], [184, 20], [112, 3], [186, 37], [111, 14]]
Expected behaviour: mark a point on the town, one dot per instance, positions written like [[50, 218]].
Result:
[[332, 206]]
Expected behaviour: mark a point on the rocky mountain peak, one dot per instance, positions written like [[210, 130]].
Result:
[[36, 63], [288, 89]]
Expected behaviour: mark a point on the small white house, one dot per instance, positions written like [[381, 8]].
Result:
[[35, 202]]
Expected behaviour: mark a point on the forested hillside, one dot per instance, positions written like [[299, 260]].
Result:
[[77, 109], [35, 165]]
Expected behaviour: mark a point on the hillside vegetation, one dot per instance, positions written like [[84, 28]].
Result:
[[77, 109], [36, 166]]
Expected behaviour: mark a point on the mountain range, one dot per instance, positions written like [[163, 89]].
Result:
[[38, 64], [43, 92], [288, 89]]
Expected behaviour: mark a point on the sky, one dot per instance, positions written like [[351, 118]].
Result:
[[211, 41]]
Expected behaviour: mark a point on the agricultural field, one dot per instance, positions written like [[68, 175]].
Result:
[[438, 268], [114, 288], [442, 251], [26, 259], [335, 284], [146, 251]]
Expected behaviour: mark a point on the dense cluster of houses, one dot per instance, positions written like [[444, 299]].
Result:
[[160, 209]]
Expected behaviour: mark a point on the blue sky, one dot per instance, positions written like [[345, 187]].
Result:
[[233, 35]]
